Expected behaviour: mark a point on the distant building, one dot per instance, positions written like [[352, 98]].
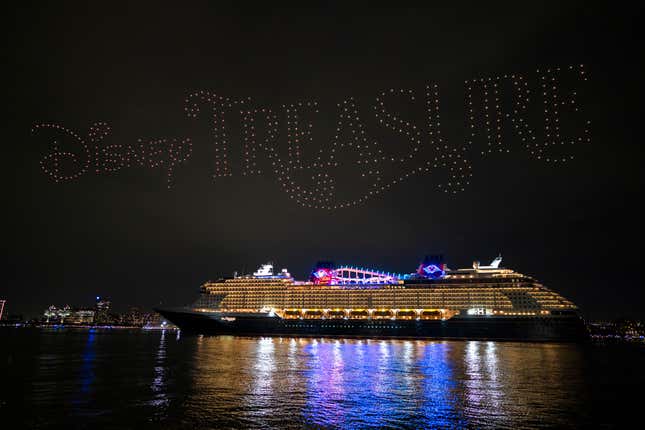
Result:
[[621, 328], [57, 315], [102, 311], [134, 317], [81, 316], [50, 313], [154, 320]]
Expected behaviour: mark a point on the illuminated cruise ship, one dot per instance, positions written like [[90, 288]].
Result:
[[482, 302]]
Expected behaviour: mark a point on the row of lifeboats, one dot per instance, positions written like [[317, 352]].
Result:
[[409, 314]]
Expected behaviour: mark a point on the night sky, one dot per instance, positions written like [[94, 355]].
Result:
[[126, 235]]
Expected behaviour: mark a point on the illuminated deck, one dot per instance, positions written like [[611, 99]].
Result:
[[434, 292]]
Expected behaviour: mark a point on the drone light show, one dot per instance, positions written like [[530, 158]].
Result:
[[540, 110]]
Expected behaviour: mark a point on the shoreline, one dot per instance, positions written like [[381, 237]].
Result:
[[74, 326]]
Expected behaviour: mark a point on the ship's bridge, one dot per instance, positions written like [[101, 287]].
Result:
[[493, 270], [265, 271]]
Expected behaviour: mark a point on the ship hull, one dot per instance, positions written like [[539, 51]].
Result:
[[568, 328]]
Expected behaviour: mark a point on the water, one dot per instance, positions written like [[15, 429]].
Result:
[[103, 378]]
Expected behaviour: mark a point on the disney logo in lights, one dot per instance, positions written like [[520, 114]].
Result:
[[498, 109], [433, 271]]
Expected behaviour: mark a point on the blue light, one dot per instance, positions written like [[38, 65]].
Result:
[[87, 374], [434, 271], [97, 298], [380, 369]]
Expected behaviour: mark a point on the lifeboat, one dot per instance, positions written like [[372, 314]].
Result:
[[359, 314], [336, 314], [313, 314], [431, 315], [382, 313], [406, 315]]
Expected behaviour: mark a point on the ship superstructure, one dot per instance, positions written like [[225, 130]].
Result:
[[362, 293], [373, 302]]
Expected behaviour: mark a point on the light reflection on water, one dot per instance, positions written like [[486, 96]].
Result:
[[147, 379], [158, 386], [371, 383], [86, 375]]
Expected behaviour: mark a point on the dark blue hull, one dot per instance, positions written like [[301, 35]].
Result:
[[558, 329]]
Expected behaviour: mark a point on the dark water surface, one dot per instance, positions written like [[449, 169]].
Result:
[[100, 378]]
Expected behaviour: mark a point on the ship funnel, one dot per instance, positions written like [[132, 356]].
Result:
[[264, 270], [432, 267]]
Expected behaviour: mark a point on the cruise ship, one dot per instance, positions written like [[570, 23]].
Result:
[[482, 302]]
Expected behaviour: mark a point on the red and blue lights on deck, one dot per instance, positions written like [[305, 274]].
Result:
[[432, 267], [325, 273]]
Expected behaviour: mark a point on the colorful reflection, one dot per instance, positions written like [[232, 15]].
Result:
[[369, 383], [377, 383], [482, 388], [158, 386], [86, 376], [96, 378], [87, 368]]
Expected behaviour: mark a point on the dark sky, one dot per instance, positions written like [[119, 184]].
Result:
[[124, 234]]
